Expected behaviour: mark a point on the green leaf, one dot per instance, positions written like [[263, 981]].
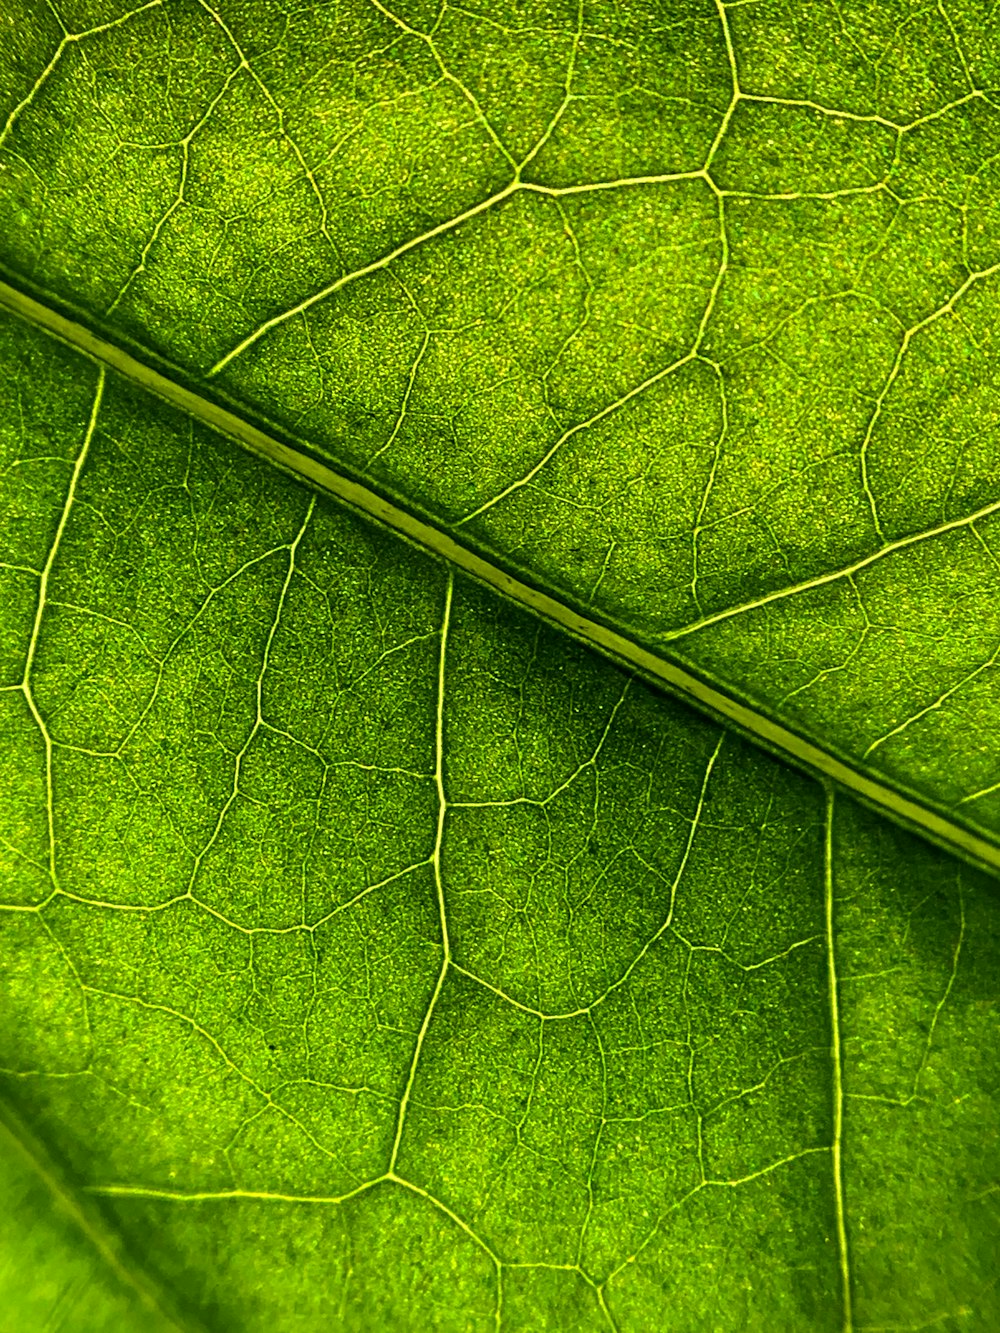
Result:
[[686, 317], [374, 954]]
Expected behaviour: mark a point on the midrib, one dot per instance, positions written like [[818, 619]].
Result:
[[706, 695]]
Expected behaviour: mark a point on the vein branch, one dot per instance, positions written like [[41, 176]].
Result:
[[438, 881], [27, 685]]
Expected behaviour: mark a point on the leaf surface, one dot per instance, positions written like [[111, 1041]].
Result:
[[372, 954], [376, 956], [685, 315]]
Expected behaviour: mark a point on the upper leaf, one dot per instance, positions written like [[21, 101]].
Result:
[[687, 313]]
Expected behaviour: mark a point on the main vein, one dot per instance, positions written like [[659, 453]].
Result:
[[654, 666]]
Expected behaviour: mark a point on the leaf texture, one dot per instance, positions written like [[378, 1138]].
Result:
[[685, 315], [376, 957]]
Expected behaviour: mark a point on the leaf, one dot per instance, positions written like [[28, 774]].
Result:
[[684, 317], [374, 955]]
